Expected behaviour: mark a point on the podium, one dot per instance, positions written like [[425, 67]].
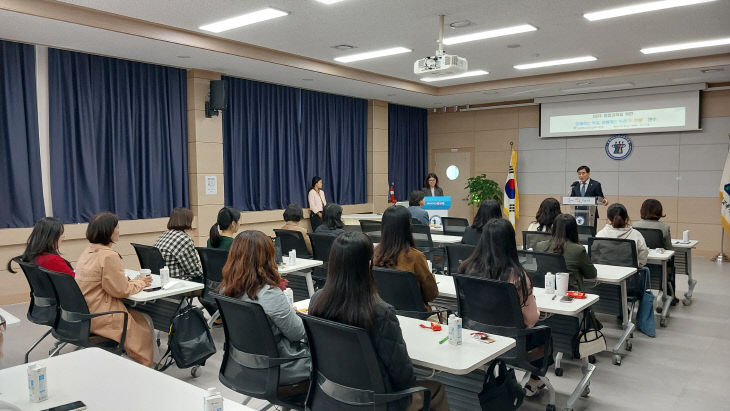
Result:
[[437, 207], [584, 209]]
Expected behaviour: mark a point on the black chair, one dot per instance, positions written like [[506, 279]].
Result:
[[539, 263], [422, 236], [321, 244], [372, 229], [292, 240], [585, 232], [212, 260], [456, 254], [43, 308], [531, 238], [401, 290], [346, 374], [149, 257], [493, 306], [454, 225], [251, 360], [416, 221], [73, 325], [619, 252]]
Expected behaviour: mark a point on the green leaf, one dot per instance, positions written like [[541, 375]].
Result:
[[481, 188]]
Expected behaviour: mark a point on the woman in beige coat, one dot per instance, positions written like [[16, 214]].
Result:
[[101, 278]]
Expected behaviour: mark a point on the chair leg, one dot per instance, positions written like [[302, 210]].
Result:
[[27, 353], [550, 389], [265, 407], [246, 400], [60, 346], [213, 318]]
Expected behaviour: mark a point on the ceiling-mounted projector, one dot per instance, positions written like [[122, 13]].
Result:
[[441, 64]]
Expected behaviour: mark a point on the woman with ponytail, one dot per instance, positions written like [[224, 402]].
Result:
[[618, 227], [224, 229]]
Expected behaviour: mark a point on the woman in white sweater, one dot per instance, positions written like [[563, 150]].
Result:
[[618, 227]]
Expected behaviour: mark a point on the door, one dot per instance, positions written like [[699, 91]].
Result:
[[453, 168]]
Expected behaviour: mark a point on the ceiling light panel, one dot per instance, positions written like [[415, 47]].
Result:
[[243, 20], [641, 8], [372, 54], [572, 60], [686, 46], [329, 1], [455, 76], [506, 31]]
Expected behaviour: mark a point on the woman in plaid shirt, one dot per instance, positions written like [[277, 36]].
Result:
[[178, 248]]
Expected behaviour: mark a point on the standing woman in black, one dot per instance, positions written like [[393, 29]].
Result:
[[431, 186], [317, 201]]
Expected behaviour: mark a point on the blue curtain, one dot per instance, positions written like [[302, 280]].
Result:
[[21, 191], [276, 138], [118, 137], [407, 148]]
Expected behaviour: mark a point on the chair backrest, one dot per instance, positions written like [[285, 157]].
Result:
[[372, 229], [585, 232], [653, 237], [539, 263], [344, 355], [422, 236], [212, 260], [401, 290], [416, 221], [486, 301], [454, 225], [69, 327], [321, 244], [247, 367], [43, 307], [456, 254], [292, 240], [613, 251], [149, 257], [531, 238]]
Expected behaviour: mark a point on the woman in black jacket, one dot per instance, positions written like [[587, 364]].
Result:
[[488, 211], [350, 297]]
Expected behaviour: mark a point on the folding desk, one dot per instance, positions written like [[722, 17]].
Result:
[[683, 265], [303, 267], [161, 305], [10, 320], [662, 258]]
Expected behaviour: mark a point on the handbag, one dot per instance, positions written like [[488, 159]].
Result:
[[189, 342], [502, 392], [589, 340], [645, 313]]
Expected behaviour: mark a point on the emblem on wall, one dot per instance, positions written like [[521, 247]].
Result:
[[618, 147]]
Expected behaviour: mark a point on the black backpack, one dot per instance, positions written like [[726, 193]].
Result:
[[189, 341], [502, 392]]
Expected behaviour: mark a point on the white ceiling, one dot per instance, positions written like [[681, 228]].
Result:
[[312, 28]]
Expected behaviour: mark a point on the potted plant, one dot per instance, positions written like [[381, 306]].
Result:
[[481, 188]]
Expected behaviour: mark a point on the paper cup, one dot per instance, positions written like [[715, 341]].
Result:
[[561, 284]]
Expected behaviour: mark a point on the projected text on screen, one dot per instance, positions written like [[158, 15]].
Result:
[[619, 120]]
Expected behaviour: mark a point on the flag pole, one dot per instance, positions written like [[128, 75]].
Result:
[[721, 257]]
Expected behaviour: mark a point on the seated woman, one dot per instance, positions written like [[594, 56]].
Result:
[[251, 275], [496, 257], [178, 248], [227, 223], [488, 210], [332, 220], [292, 216], [349, 296], [42, 247], [565, 242], [618, 227], [651, 212], [100, 276], [398, 251], [415, 203], [549, 209]]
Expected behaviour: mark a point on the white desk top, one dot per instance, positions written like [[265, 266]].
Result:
[[180, 287], [677, 243], [354, 219], [613, 274], [425, 350], [445, 239], [655, 255], [10, 320], [547, 304], [104, 381], [446, 285], [302, 264]]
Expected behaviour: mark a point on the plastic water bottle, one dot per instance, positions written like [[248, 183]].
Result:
[[164, 275], [293, 257], [454, 330], [549, 283], [289, 296], [37, 389], [213, 400]]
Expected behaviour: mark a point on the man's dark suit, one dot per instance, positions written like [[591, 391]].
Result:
[[592, 190]]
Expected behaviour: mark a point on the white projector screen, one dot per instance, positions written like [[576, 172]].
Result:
[[621, 115]]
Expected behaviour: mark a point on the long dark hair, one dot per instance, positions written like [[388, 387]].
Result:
[[495, 257], [488, 210], [396, 236], [429, 175], [349, 295], [250, 265], [565, 228], [617, 215], [315, 180], [549, 209], [226, 217], [42, 240], [332, 216]]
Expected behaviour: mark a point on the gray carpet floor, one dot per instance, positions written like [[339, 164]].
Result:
[[680, 369]]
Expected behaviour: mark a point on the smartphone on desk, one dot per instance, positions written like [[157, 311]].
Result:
[[152, 289], [72, 406]]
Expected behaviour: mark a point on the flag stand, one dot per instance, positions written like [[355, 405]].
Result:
[[721, 257]]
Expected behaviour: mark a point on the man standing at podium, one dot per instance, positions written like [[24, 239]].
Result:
[[586, 187]]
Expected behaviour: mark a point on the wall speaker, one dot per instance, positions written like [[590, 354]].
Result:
[[217, 99]]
